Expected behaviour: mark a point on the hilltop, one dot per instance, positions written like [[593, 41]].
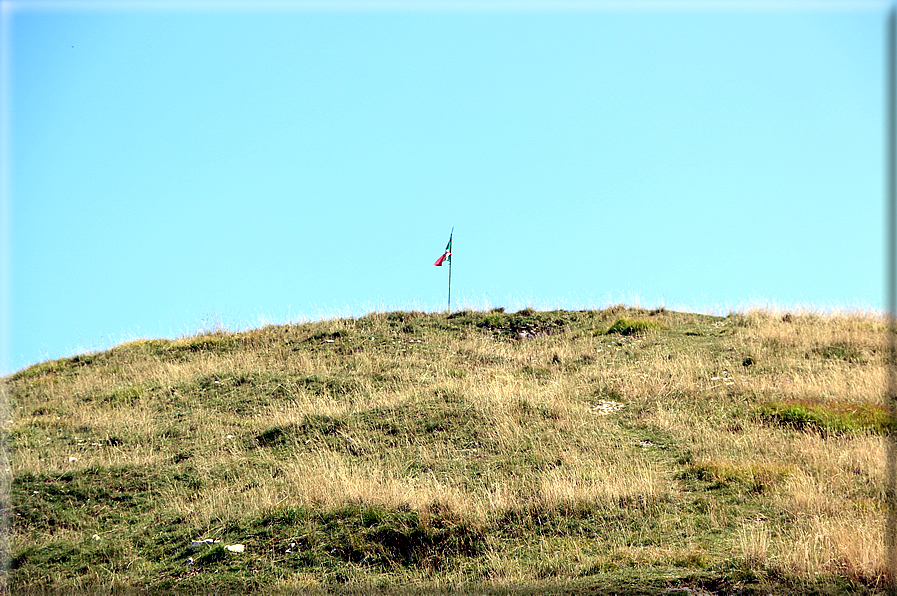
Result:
[[621, 450]]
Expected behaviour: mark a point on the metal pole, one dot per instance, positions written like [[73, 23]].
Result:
[[891, 292], [451, 249], [891, 296], [450, 287]]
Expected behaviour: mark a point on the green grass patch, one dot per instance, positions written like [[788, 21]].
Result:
[[838, 417], [842, 351], [755, 477], [627, 326], [369, 536]]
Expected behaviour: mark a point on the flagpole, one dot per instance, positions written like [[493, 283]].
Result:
[[452, 233], [891, 287], [447, 255], [450, 289]]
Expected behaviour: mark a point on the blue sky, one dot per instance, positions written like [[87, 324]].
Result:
[[177, 167]]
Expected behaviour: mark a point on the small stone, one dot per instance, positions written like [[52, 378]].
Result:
[[235, 548], [96, 536]]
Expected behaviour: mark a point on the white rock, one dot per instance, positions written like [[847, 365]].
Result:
[[96, 536], [235, 548], [72, 458]]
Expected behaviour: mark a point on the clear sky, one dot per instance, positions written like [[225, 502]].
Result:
[[173, 167]]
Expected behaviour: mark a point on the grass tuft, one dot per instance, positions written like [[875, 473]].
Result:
[[829, 416], [626, 326]]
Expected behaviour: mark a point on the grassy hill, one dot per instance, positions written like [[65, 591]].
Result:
[[619, 451]]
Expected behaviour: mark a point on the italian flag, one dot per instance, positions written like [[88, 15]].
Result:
[[448, 253]]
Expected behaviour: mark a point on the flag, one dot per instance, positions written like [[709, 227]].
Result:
[[448, 253]]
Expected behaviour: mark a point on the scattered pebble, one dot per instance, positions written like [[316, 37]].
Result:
[[235, 548], [605, 407], [96, 536], [72, 459]]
